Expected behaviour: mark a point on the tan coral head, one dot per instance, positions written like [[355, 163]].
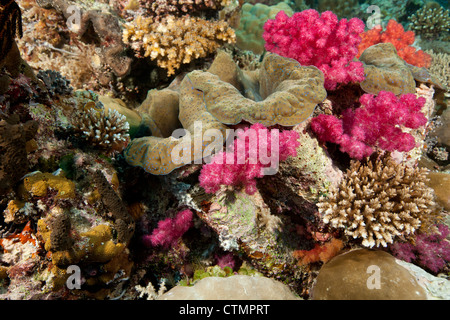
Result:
[[289, 94]]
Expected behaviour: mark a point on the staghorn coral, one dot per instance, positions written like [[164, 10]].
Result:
[[104, 129], [430, 21], [380, 202], [11, 24], [280, 80], [320, 40], [173, 41], [402, 40]]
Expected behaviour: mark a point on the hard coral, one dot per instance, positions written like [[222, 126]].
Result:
[[379, 202], [161, 8], [176, 41], [401, 39], [104, 129], [375, 123], [320, 40], [430, 21], [247, 157]]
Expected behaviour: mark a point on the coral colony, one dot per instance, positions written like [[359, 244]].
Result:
[[221, 149]]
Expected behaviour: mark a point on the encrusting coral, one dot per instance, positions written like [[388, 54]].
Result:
[[380, 202], [430, 21], [174, 41]]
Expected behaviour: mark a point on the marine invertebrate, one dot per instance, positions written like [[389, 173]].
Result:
[[252, 19], [38, 185], [431, 251], [161, 8], [401, 39], [55, 83], [11, 24], [430, 21], [13, 153], [290, 93], [320, 252], [104, 129], [320, 40], [375, 123], [248, 160], [170, 230], [123, 222], [175, 41], [380, 202], [60, 236]]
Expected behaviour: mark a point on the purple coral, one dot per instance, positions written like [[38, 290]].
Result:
[[375, 123], [248, 158], [320, 40], [430, 251], [169, 230]]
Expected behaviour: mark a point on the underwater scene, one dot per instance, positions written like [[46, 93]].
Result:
[[224, 150]]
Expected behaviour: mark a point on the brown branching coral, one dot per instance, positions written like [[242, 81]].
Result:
[[176, 41], [430, 21], [10, 24], [380, 201]]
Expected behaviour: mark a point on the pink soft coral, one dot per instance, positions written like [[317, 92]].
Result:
[[319, 40], [375, 123], [430, 251], [170, 230], [248, 158]]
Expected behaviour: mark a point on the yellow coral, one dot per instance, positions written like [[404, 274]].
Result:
[[38, 185], [176, 41]]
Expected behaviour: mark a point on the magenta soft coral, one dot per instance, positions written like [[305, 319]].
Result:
[[323, 41], [169, 230], [375, 123], [430, 251], [248, 158]]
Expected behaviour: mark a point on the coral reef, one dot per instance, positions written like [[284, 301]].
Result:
[[402, 40], [161, 8], [430, 21], [55, 83], [379, 202], [183, 40], [320, 40], [205, 98]]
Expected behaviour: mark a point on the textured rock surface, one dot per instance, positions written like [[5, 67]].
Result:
[[353, 276], [237, 287], [440, 182]]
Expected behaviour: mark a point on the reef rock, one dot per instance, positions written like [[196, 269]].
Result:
[[239, 287]]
